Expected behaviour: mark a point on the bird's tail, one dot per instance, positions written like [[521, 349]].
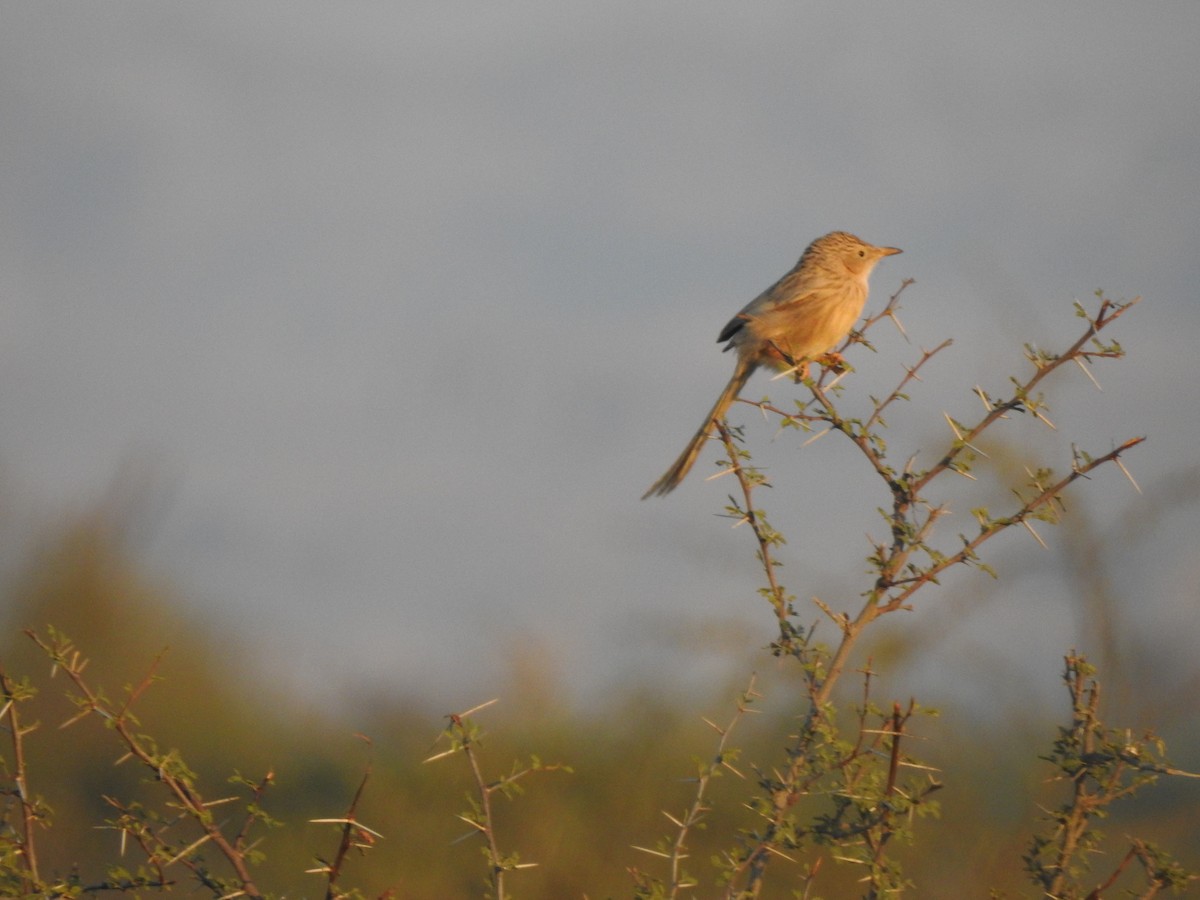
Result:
[[679, 469]]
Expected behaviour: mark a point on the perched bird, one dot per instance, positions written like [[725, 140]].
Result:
[[797, 319]]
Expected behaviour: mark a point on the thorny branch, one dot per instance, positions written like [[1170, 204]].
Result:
[[166, 768], [912, 518]]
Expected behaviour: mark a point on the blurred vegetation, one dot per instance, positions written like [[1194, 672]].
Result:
[[198, 690], [630, 761]]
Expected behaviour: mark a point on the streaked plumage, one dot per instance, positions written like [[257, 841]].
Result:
[[800, 317]]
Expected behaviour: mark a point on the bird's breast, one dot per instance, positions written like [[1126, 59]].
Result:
[[804, 327]]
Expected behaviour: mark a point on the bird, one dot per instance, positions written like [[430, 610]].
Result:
[[796, 320]]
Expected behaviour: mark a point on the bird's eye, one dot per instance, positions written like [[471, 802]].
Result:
[[862, 252]]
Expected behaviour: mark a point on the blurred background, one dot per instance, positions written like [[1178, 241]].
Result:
[[338, 343]]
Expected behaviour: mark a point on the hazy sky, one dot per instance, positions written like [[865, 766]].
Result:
[[399, 308]]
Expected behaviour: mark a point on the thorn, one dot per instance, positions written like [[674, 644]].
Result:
[[840, 619], [730, 767], [891, 314], [800, 368], [721, 474], [475, 709], [1088, 372], [1042, 417], [958, 435], [815, 437], [186, 850], [651, 852], [441, 755], [360, 826], [837, 378], [1125, 471], [771, 849], [1037, 537]]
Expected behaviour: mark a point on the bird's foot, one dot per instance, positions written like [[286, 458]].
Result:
[[834, 361]]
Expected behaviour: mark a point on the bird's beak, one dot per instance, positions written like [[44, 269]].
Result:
[[891, 251]]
